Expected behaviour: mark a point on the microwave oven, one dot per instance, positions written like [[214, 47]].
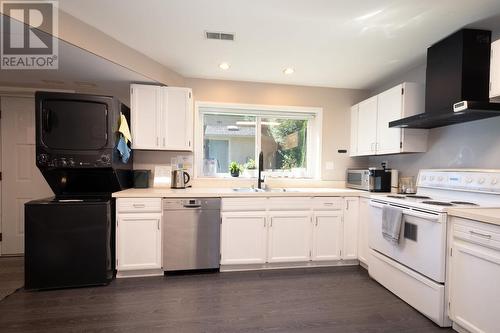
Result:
[[371, 179]]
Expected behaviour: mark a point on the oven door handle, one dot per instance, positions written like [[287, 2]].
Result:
[[377, 204], [427, 216]]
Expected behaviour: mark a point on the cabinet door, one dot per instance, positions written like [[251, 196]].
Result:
[[327, 235], [390, 104], [146, 108], [363, 221], [350, 226], [177, 118], [367, 126], [138, 241], [243, 238], [353, 143], [289, 236], [474, 288], [495, 70]]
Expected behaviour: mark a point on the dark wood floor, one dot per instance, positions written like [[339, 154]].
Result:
[[11, 275], [341, 299]]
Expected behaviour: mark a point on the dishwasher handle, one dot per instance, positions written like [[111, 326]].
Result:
[[191, 205]]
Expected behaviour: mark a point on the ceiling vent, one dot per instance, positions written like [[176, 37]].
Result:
[[219, 35]]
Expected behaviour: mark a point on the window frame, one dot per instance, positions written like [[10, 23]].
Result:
[[314, 130]]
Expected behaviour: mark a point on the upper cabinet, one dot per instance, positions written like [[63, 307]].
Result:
[[162, 117], [371, 132], [495, 70]]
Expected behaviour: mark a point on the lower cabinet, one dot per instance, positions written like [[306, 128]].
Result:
[[474, 275], [289, 236], [363, 221], [350, 228], [327, 231], [138, 241], [243, 238]]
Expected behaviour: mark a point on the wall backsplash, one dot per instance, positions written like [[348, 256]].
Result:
[[468, 145]]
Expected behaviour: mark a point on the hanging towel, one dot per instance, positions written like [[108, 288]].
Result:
[[392, 219], [124, 129], [123, 149]]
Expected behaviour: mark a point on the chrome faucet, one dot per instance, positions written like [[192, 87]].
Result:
[[260, 180]]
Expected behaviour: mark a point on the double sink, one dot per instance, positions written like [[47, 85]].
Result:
[[252, 189]]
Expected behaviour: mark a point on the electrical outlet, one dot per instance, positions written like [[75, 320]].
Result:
[[329, 165]]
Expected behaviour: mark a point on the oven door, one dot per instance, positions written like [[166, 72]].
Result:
[[422, 245]]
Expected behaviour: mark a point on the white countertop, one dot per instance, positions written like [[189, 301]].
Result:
[[486, 215], [204, 192]]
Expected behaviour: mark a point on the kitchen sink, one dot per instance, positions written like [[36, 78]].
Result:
[[247, 189]]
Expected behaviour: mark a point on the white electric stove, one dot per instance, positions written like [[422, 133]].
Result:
[[415, 268]]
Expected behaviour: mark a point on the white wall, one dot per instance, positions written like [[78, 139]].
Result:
[[468, 145]]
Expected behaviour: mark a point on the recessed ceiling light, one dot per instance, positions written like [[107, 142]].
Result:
[[224, 66], [288, 71]]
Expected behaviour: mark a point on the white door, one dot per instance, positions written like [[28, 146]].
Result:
[[177, 119], [138, 241], [495, 69], [327, 235], [474, 288], [363, 221], [390, 104], [350, 226], [289, 236], [243, 238], [353, 151], [21, 179], [145, 101], [367, 126]]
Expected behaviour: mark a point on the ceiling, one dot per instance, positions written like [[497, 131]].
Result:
[[78, 70], [329, 43]]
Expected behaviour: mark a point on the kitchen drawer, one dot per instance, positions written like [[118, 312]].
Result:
[[138, 205], [244, 204], [287, 203], [477, 232], [327, 203]]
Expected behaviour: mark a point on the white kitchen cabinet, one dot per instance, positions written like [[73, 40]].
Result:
[[367, 127], [138, 241], [327, 235], [162, 117], [373, 134], [350, 228], [243, 238], [495, 70], [289, 236], [363, 221], [474, 275], [353, 147]]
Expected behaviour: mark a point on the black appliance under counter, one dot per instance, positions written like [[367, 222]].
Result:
[[68, 242]]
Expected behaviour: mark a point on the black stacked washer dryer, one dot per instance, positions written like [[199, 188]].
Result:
[[69, 239]]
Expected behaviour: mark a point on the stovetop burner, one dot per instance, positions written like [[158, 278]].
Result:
[[414, 196], [437, 203], [464, 203]]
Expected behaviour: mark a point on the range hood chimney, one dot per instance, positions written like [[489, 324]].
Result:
[[457, 82]]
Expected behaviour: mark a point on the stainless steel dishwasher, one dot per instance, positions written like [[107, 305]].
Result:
[[191, 238]]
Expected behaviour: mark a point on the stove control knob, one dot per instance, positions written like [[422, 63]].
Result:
[[440, 178], [494, 181], [63, 163], [480, 180], [424, 177], [431, 178], [468, 180], [71, 162]]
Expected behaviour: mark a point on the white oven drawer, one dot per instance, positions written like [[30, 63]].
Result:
[[138, 205], [423, 294]]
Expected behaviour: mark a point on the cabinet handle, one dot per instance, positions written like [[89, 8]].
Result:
[[316, 222], [139, 205], [347, 205], [271, 224], [264, 223], [158, 224], [474, 233]]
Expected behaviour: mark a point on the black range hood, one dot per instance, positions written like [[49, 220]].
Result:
[[457, 82]]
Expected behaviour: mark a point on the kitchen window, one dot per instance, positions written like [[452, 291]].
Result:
[[289, 138]]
